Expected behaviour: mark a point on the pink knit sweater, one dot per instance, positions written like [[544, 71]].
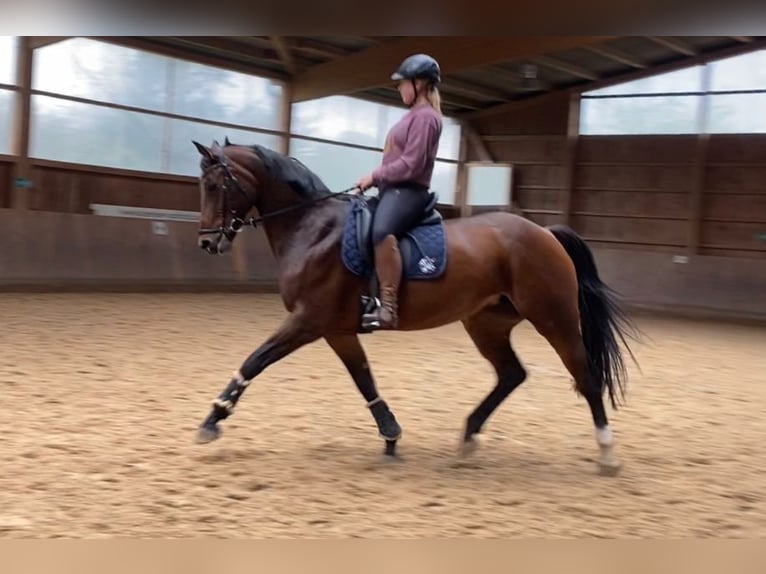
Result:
[[410, 149]]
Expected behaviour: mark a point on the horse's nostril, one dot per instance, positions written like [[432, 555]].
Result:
[[205, 243]]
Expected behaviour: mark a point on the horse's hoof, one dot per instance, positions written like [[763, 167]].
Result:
[[390, 459], [207, 434], [390, 451], [609, 468], [468, 447]]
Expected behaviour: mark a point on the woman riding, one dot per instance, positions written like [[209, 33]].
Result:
[[403, 178]]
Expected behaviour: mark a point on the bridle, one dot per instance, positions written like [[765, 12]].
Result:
[[236, 223]]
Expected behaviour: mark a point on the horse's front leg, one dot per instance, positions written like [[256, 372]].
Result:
[[350, 351], [293, 334]]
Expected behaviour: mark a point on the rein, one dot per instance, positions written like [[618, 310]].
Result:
[[236, 223]]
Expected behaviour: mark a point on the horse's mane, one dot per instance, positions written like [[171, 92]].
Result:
[[291, 171]]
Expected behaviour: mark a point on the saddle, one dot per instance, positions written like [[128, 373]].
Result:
[[422, 248], [430, 216]]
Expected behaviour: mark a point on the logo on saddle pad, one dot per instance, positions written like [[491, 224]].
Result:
[[423, 248], [427, 265]]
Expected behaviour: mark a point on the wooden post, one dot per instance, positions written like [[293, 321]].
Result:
[[286, 116], [461, 188], [700, 162], [570, 158], [22, 173]]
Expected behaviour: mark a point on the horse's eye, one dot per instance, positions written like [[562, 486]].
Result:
[[210, 187]]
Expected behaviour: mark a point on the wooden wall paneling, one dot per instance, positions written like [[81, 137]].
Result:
[[671, 178], [550, 117], [537, 198], [732, 235], [6, 176], [637, 203], [737, 148], [528, 150], [639, 231], [743, 207], [736, 179], [634, 150], [71, 189]]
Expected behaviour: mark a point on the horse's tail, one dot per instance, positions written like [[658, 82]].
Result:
[[602, 318]]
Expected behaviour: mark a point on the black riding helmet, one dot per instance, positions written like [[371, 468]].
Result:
[[417, 66]]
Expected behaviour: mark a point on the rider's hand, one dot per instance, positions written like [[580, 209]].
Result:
[[364, 183]]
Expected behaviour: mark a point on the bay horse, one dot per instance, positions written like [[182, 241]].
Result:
[[496, 270]]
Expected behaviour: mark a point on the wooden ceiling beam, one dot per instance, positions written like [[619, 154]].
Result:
[[230, 47], [157, 46], [285, 55], [309, 46], [674, 44], [372, 67], [36, 42], [671, 66], [471, 90], [616, 55], [565, 67]]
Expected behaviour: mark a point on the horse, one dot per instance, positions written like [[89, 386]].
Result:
[[490, 271]]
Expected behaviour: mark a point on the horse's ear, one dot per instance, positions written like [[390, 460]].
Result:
[[216, 148], [226, 141], [204, 151]]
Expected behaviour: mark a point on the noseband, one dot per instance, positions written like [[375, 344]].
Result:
[[236, 223]]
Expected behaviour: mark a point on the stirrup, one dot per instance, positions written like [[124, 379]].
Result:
[[373, 320]]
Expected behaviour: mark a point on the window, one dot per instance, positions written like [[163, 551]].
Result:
[[341, 166], [345, 119], [225, 96], [352, 120], [102, 72], [444, 181], [640, 115], [348, 120], [685, 80], [103, 136], [6, 117], [8, 59], [107, 75], [449, 144], [630, 108], [184, 157], [737, 113], [745, 72], [489, 184], [7, 97], [338, 166]]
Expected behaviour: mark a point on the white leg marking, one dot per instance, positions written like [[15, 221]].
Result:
[[604, 436], [608, 464], [240, 379]]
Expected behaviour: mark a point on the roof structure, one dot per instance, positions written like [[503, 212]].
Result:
[[480, 72]]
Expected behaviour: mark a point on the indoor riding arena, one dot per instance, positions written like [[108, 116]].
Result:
[[119, 332]]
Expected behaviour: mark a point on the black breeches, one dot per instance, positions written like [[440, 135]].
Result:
[[398, 210]]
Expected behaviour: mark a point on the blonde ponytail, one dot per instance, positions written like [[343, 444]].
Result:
[[435, 99]]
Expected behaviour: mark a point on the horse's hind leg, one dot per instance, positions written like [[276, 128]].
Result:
[[350, 351], [490, 331], [563, 333]]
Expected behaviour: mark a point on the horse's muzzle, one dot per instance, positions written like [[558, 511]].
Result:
[[215, 244], [210, 245]]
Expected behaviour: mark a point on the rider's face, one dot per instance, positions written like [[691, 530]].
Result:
[[406, 91]]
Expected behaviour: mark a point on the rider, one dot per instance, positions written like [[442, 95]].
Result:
[[404, 177]]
